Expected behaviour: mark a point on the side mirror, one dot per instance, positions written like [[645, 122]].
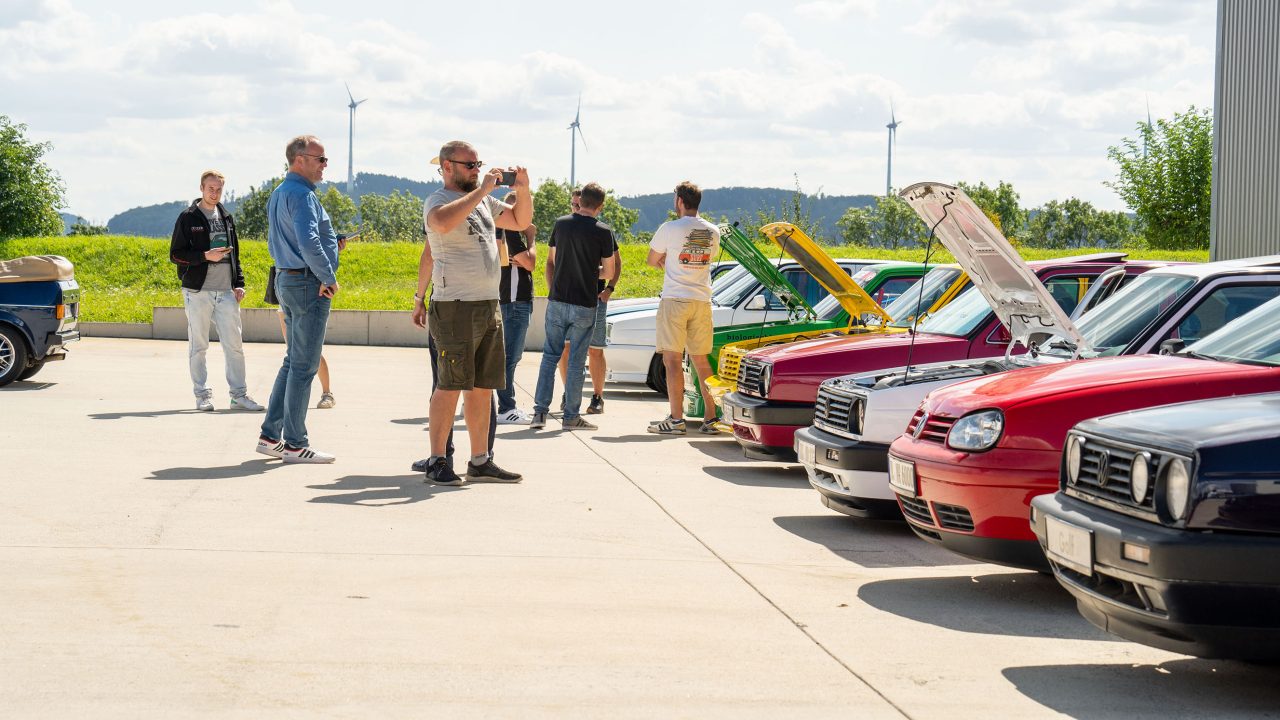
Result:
[[1172, 346], [756, 303]]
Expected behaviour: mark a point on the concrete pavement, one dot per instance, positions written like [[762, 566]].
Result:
[[154, 566]]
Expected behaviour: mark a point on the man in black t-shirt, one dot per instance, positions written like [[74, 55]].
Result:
[[515, 298], [582, 245]]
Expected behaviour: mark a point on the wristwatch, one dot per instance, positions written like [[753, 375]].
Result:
[[610, 287]]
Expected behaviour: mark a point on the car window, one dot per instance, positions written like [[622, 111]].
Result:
[[891, 289], [1067, 290], [921, 293], [1115, 323], [1224, 304], [735, 289], [960, 316], [1253, 338]]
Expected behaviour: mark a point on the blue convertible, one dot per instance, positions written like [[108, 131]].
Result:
[[39, 307]]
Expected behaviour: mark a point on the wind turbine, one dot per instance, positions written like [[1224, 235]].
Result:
[[351, 122], [893, 136], [575, 132]]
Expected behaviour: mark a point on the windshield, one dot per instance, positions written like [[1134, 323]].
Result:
[[906, 306], [1110, 327], [1252, 339], [960, 316], [727, 286], [828, 309]]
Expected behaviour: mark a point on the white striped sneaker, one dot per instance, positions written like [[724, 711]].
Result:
[[305, 455], [274, 448]]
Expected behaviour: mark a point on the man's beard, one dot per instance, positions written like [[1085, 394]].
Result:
[[464, 183]]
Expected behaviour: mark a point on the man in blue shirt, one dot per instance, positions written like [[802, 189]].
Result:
[[304, 249]]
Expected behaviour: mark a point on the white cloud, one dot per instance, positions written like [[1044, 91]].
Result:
[[831, 10]]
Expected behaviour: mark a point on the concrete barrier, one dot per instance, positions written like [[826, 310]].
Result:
[[393, 328]]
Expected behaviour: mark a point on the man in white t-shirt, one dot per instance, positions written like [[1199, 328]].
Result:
[[462, 269], [683, 249]]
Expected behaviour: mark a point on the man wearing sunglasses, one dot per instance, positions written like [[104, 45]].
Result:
[[304, 249], [463, 271]]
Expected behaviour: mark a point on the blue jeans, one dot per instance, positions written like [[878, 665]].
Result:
[[565, 323], [306, 315], [220, 307], [515, 325]]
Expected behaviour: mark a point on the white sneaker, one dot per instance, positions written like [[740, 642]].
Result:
[[273, 448], [204, 403], [514, 416], [246, 403], [305, 455]]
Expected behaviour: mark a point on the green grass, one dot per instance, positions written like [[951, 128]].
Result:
[[123, 277]]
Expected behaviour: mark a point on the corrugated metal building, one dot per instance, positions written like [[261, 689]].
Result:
[[1245, 215]]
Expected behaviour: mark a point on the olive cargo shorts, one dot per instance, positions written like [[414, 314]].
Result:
[[468, 334]]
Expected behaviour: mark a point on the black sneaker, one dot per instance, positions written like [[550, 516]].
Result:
[[597, 405], [488, 472], [439, 473], [538, 421]]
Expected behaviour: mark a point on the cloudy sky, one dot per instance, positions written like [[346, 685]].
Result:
[[139, 96]]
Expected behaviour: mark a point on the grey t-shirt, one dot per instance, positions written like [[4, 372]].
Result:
[[466, 258], [218, 276]]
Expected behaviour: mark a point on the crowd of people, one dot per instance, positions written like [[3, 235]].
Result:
[[474, 296]]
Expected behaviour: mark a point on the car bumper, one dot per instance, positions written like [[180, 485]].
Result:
[[55, 344], [765, 429], [977, 504], [852, 477], [1204, 594], [628, 363]]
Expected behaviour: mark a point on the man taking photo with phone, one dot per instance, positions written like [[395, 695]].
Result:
[[205, 249], [463, 271]]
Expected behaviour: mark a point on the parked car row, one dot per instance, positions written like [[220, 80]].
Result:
[[1111, 421]]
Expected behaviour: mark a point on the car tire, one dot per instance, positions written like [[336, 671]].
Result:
[[13, 354], [31, 370], [657, 378]]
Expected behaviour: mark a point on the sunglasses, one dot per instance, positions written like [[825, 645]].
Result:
[[470, 165], [323, 160]]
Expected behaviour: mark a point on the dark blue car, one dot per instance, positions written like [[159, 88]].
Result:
[[39, 308], [1167, 526]]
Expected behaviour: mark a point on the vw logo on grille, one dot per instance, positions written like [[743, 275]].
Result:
[[1104, 468], [924, 420]]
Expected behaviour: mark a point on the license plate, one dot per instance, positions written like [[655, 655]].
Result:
[[806, 452], [1069, 545], [902, 476]]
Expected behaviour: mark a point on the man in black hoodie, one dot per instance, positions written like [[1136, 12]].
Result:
[[207, 253]]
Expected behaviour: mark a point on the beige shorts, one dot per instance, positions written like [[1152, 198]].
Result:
[[684, 325]]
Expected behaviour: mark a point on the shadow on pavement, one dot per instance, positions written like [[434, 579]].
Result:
[[645, 438], [26, 386], [380, 490], [719, 449], [410, 421], [1191, 688], [1016, 604], [645, 395], [248, 468], [758, 476], [868, 543], [155, 413]]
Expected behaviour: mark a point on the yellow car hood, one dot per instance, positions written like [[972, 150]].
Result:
[[819, 264]]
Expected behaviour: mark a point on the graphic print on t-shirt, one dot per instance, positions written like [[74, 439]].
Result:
[[697, 247], [217, 231]]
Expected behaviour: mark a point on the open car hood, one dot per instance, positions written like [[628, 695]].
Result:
[[819, 264], [1018, 297], [744, 251]]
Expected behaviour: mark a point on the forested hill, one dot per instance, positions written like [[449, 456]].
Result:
[[734, 203]]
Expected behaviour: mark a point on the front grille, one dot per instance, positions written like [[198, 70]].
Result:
[[953, 517], [1105, 469], [1124, 592], [916, 509], [935, 427], [751, 377], [838, 412], [730, 359]]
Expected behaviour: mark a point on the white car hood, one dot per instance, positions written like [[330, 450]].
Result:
[[1014, 292]]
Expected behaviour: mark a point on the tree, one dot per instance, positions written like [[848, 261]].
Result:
[[895, 225], [1002, 202], [251, 214], [31, 193], [342, 210], [1075, 223], [1165, 176], [551, 201], [795, 210], [385, 218], [856, 226], [84, 227]]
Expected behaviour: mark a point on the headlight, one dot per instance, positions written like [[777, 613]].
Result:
[[1140, 477], [861, 409], [766, 380], [1075, 448], [977, 431], [1177, 487]]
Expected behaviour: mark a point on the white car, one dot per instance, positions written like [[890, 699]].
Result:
[[737, 298]]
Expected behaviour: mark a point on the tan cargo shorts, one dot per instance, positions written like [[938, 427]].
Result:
[[468, 335], [684, 325]]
